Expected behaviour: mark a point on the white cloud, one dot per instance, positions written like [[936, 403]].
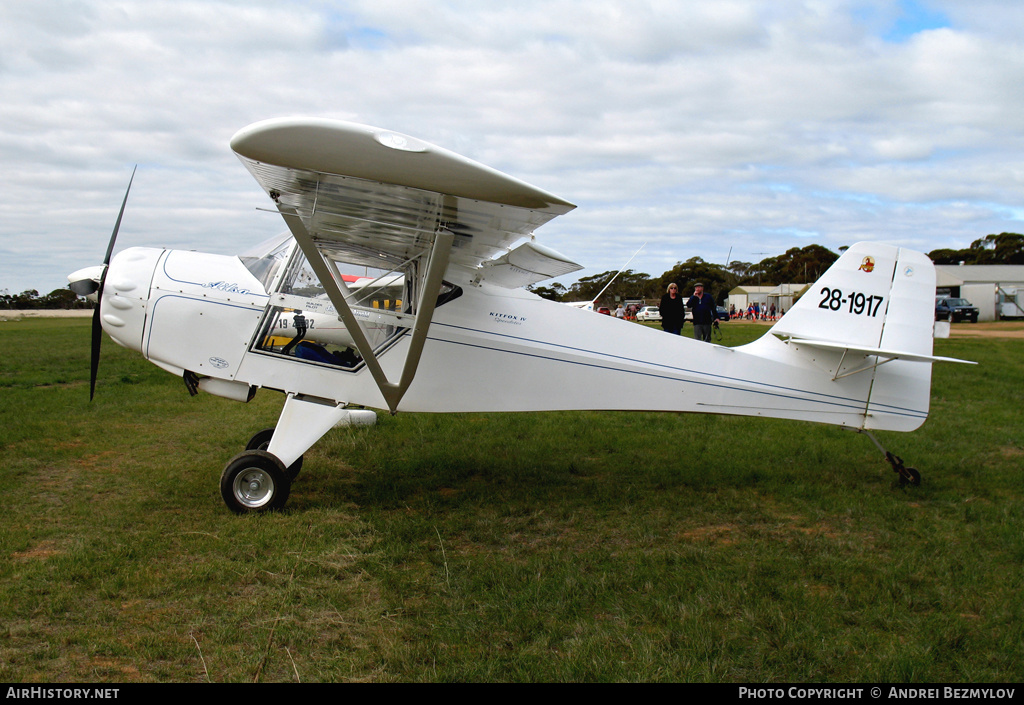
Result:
[[701, 126]]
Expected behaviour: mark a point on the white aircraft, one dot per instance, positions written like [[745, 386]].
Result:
[[433, 315]]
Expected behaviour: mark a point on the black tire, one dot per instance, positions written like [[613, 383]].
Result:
[[915, 477], [254, 482], [261, 441]]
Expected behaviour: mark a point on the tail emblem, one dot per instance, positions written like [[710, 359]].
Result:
[[867, 265]]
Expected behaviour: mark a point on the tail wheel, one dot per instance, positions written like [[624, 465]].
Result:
[[261, 441], [253, 482], [910, 476]]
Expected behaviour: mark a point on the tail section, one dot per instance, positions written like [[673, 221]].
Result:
[[874, 296], [871, 316]]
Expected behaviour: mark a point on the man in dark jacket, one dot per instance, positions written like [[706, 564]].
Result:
[[705, 313]]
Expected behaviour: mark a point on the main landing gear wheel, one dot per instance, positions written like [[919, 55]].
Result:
[[261, 441], [254, 481]]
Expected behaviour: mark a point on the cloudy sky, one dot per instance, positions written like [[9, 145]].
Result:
[[697, 127]]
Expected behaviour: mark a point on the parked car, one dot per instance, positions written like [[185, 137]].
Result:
[[955, 310], [605, 310], [649, 313], [723, 315]]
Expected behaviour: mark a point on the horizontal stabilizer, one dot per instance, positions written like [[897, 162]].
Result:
[[879, 352]]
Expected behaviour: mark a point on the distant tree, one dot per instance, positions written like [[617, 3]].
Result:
[[61, 298], [586, 288], [627, 285], [740, 269], [1004, 248], [717, 280], [555, 292], [949, 256], [797, 265], [632, 285], [27, 299]]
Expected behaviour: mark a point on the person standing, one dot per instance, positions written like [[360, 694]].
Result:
[[704, 313], [673, 315]]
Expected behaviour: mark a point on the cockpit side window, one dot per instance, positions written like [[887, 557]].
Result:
[[302, 322]]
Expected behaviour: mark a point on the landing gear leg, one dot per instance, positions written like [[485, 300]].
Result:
[[908, 476], [260, 479], [261, 441]]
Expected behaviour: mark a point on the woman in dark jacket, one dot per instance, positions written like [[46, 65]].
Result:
[[673, 312]]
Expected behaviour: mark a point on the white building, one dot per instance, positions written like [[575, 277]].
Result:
[[996, 289], [781, 296], [784, 295], [743, 296]]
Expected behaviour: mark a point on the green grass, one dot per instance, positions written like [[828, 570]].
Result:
[[503, 547]]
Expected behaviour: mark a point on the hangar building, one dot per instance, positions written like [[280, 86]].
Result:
[[996, 289]]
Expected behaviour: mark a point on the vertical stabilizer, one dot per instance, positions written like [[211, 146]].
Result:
[[849, 303], [875, 308]]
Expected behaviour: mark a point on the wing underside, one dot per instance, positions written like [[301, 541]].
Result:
[[384, 195], [375, 221], [366, 197]]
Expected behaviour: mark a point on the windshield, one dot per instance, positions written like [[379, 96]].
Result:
[[265, 259], [957, 302]]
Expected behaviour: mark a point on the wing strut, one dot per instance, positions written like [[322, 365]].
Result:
[[330, 278]]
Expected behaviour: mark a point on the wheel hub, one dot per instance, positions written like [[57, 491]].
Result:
[[253, 488]]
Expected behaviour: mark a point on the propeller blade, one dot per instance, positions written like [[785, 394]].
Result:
[[117, 225], [97, 327], [94, 360]]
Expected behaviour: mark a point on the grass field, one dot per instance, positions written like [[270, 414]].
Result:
[[503, 547]]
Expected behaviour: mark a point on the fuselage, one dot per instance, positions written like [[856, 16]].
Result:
[[489, 348]]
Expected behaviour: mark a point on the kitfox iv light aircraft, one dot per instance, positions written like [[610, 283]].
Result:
[[399, 286]]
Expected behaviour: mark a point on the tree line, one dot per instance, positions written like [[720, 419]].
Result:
[[31, 299], [1004, 248], [800, 265], [796, 265]]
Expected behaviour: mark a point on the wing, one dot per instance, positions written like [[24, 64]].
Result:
[[381, 194], [361, 195], [527, 264]]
